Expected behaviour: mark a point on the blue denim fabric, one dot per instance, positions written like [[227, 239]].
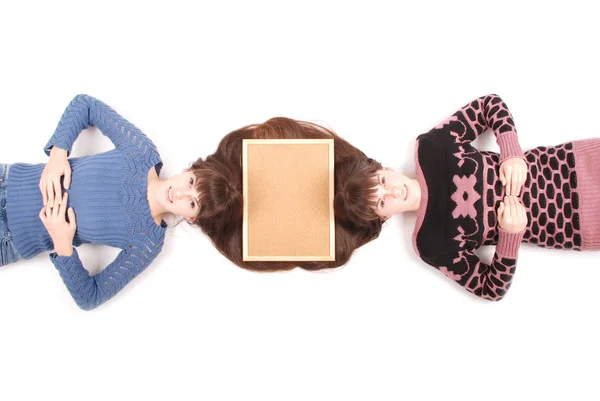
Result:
[[8, 252]]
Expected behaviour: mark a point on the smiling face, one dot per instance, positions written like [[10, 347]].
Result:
[[395, 193], [179, 196]]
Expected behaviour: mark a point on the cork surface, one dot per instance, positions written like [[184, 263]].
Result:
[[288, 200]]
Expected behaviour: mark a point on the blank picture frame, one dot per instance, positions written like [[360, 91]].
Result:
[[288, 187]]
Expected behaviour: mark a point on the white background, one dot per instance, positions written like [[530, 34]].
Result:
[[386, 326]]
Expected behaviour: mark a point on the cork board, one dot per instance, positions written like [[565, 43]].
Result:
[[288, 200]]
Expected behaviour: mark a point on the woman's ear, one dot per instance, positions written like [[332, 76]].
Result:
[[384, 218]]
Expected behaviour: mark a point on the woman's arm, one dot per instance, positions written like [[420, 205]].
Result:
[[486, 281], [85, 111], [493, 280], [91, 291], [485, 112]]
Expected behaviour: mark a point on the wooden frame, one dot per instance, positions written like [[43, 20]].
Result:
[[288, 189]]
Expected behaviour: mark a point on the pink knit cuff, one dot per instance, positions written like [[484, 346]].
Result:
[[508, 243], [509, 146], [588, 189]]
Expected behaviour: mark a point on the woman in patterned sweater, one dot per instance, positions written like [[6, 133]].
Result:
[[465, 198]]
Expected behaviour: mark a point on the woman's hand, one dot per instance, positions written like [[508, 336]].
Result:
[[57, 166], [512, 216], [513, 174], [61, 231]]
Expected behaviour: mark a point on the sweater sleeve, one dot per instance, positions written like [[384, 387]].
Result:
[[486, 281], [85, 111], [485, 112], [91, 291]]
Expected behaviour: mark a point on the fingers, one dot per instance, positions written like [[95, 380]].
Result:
[[71, 214], [512, 214], [502, 177], [43, 190], [48, 212], [510, 208], [57, 189], [518, 213], [508, 182], [50, 180], [507, 206], [55, 210], [50, 192], [508, 201], [59, 210], [62, 206], [515, 184], [515, 207], [43, 215], [67, 180], [520, 176], [522, 213], [513, 174], [54, 217]]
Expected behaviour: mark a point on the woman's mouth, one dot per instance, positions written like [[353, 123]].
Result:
[[170, 194], [405, 193]]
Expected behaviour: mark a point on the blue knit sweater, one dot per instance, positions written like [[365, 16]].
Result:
[[108, 194]]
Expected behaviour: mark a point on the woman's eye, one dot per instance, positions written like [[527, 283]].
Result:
[[382, 203], [193, 204], [383, 181], [191, 181]]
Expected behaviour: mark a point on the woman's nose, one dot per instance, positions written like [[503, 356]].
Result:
[[395, 191], [182, 193]]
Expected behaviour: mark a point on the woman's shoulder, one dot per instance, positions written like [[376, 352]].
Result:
[[435, 250]]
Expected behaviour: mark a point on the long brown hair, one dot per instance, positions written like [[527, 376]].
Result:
[[221, 219], [228, 240], [356, 190], [220, 194]]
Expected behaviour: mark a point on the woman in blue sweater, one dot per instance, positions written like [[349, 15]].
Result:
[[114, 198]]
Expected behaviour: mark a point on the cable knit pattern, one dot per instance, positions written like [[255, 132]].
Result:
[[108, 194], [84, 111]]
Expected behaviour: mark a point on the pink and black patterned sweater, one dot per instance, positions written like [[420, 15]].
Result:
[[461, 192]]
